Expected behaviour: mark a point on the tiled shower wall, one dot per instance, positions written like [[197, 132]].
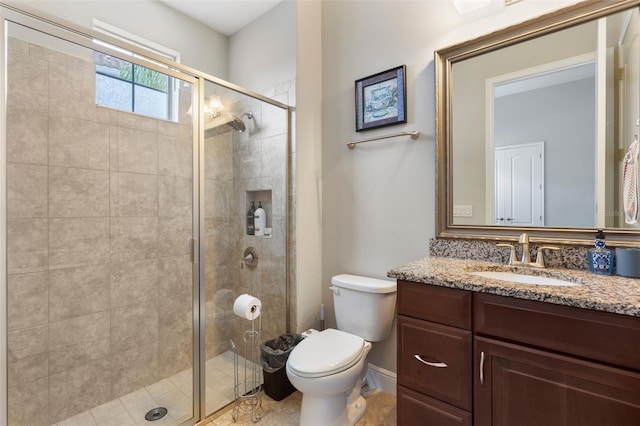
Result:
[[99, 222], [254, 160]]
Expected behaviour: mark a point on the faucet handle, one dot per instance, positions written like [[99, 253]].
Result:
[[540, 255], [512, 253], [524, 238]]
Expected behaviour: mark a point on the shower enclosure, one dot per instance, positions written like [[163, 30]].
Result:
[[128, 181]]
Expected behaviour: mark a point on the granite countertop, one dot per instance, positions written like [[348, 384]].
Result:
[[598, 292]]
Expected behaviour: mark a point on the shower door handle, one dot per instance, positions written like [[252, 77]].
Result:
[[194, 249]]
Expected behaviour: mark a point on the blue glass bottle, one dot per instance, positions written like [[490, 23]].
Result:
[[601, 258]]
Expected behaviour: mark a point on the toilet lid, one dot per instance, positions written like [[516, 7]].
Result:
[[325, 353]]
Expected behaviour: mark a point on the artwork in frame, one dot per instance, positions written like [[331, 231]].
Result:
[[380, 99]]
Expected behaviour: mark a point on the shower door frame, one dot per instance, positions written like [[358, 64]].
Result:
[[73, 33]]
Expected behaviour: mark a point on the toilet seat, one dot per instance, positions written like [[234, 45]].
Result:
[[328, 352]]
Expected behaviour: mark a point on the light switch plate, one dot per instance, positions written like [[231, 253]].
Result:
[[462, 211]]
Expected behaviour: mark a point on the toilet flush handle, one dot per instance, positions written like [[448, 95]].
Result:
[[335, 290]]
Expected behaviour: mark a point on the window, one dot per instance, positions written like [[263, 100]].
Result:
[[131, 87]]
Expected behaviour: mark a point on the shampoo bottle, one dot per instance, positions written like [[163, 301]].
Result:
[[251, 219], [600, 258], [260, 220]]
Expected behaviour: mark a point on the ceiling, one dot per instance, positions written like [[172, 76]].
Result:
[[225, 16]]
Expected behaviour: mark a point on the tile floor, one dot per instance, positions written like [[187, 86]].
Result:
[[174, 393], [381, 411]]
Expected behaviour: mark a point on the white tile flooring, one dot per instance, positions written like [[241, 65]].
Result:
[[173, 393]]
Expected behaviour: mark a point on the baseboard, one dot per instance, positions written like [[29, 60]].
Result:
[[382, 379]]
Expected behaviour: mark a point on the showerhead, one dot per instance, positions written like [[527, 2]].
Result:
[[236, 122]]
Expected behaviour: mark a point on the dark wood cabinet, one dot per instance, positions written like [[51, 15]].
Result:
[[513, 362], [518, 385], [434, 355]]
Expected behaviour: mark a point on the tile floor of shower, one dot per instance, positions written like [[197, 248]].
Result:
[[173, 393]]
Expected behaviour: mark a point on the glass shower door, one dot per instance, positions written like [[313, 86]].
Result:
[[100, 218]]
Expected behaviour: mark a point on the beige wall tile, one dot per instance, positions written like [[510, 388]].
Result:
[[218, 157], [274, 276], [65, 358], [175, 276], [26, 190], [79, 389], [134, 369], [134, 194], [175, 196], [27, 83], [78, 192], [28, 355], [134, 282], [133, 238], [27, 136], [175, 355], [219, 235], [175, 316], [26, 402], [76, 331], [174, 235], [134, 121], [78, 143], [27, 300], [133, 326], [75, 292], [136, 150], [219, 199], [175, 156], [72, 92], [27, 245], [78, 242], [274, 156], [78, 341], [247, 159]]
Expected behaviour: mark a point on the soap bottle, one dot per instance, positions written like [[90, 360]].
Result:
[[600, 258], [260, 220], [251, 219]]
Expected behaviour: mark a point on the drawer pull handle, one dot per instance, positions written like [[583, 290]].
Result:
[[431, 364], [482, 368]]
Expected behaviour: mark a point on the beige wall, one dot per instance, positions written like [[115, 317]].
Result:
[[379, 200]]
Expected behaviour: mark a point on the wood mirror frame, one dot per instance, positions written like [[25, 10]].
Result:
[[444, 59]]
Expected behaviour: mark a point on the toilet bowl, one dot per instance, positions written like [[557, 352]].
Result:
[[329, 380], [328, 367]]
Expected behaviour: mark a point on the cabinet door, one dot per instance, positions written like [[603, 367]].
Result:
[[516, 385], [416, 409], [436, 360]]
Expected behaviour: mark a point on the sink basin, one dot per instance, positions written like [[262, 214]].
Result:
[[523, 279], [524, 275]]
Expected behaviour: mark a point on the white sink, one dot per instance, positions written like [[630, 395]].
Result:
[[523, 279]]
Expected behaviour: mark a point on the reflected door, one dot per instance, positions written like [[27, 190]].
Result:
[[519, 190]]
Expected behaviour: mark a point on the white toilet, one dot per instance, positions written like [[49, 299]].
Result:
[[328, 366]]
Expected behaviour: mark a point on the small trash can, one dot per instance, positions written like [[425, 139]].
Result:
[[273, 357]]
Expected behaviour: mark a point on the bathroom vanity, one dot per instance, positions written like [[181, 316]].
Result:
[[481, 351]]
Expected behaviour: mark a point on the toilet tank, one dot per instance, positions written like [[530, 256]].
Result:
[[364, 306]]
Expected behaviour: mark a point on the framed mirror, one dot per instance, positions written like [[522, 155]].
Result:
[[533, 125]]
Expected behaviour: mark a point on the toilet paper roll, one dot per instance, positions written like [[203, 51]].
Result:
[[247, 306]]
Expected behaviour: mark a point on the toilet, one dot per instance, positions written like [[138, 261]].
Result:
[[328, 367]]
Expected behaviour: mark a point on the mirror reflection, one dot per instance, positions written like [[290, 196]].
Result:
[[539, 129]]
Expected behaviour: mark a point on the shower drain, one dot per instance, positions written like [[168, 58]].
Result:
[[155, 414]]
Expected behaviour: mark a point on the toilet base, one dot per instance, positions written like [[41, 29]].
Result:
[[331, 411]]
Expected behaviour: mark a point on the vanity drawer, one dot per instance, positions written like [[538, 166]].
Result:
[[447, 349], [595, 335], [443, 305], [415, 409]]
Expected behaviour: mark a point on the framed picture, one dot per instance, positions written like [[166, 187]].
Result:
[[380, 99]]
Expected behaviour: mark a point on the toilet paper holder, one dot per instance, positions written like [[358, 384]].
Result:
[[250, 257]]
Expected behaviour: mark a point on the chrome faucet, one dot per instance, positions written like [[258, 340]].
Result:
[[526, 256]]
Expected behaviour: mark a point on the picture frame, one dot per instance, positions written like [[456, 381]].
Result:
[[381, 99]]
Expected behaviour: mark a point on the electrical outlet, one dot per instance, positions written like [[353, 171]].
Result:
[[462, 211]]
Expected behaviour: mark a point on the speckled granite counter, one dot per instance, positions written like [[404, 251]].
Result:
[[604, 293]]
